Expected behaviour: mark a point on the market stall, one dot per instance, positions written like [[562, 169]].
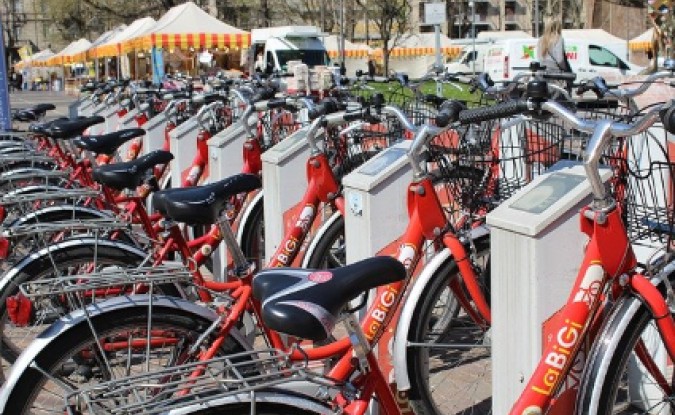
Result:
[[183, 39], [115, 54]]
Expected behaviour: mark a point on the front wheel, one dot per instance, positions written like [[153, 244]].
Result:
[[448, 357], [614, 380], [330, 251], [109, 346]]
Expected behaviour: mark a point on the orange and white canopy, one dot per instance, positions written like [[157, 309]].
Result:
[[642, 42], [188, 26], [67, 54], [113, 46], [352, 50]]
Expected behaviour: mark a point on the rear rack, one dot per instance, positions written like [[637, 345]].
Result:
[[108, 278], [48, 195], [94, 224], [10, 158], [46, 174], [172, 388]]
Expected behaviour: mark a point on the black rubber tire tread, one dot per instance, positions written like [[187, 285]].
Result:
[[262, 408], [250, 237], [323, 246], [420, 396], [616, 340], [73, 339], [83, 253]]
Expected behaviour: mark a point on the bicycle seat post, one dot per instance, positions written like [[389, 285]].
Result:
[[241, 266], [358, 340]]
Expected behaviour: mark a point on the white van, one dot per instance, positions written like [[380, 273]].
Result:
[[464, 63], [504, 59], [273, 47]]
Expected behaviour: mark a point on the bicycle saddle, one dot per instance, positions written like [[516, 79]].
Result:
[[33, 113], [107, 143], [202, 204], [307, 303], [130, 174], [72, 128], [44, 127]]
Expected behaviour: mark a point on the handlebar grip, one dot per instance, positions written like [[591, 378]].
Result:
[[667, 115], [560, 76], [502, 110], [354, 116], [326, 106], [276, 103], [449, 113]]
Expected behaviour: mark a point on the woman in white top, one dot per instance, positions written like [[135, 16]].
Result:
[[551, 51], [551, 48]]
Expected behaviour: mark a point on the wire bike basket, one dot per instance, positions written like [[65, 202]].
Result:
[[481, 165], [643, 168]]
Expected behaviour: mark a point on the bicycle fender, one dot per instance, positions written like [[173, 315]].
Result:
[[319, 235], [22, 170], [61, 327], [33, 189], [41, 215], [245, 217], [405, 320], [9, 276], [282, 396]]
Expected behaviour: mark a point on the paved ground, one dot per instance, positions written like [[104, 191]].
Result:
[[27, 98]]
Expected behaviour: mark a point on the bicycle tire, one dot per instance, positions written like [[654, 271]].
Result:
[[67, 354], [35, 241], [70, 257], [253, 236], [602, 385], [261, 408], [446, 379], [330, 251]]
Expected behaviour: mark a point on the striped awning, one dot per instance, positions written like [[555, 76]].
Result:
[[349, 53], [188, 40], [414, 52], [640, 46]]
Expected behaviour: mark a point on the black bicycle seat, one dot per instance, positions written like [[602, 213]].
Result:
[[73, 127], [130, 174], [107, 143], [33, 113], [203, 204], [307, 303]]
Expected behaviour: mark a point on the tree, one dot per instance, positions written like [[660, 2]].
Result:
[[392, 18]]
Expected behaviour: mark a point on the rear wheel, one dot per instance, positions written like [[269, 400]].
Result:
[[74, 259], [109, 346]]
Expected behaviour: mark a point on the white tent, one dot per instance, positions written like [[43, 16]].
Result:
[[66, 54], [356, 54], [187, 25], [422, 40], [642, 42], [490, 35], [113, 46]]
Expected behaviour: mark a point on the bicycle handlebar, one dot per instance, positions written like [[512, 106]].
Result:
[[208, 109], [501, 110]]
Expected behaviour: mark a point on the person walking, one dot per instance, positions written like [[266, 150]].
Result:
[[551, 48]]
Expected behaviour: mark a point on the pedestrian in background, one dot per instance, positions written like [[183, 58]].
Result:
[[551, 49]]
